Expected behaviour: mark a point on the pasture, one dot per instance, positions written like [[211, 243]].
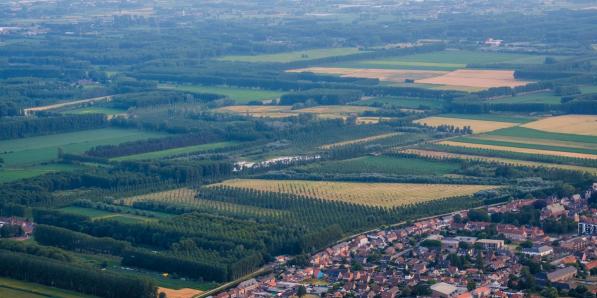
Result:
[[371, 194], [530, 143], [384, 165], [520, 150], [506, 161], [293, 56], [33, 150], [478, 126], [475, 78], [176, 151], [239, 95], [20, 289], [523, 132], [569, 124], [443, 60]]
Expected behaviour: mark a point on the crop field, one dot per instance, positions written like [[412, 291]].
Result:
[[404, 102], [512, 118], [11, 288], [542, 97], [530, 143], [569, 124], [475, 78], [361, 140], [187, 197], [588, 89], [28, 151], [443, 60], [176, 151], [13, 174], [293, 56], [95, 110], [523, 132], [239, 95], [180, 293], [372, 194], [97, 214], [520, 150], [478, 126], [324, 112], [387, 75], [507, 161], [384, 165]]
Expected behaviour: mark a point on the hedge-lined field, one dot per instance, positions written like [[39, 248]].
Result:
[[372, 194]]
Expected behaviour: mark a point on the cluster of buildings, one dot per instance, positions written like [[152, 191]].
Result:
[[448, 256], [26, 226]]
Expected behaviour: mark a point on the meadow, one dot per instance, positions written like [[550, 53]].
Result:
[[530, 143], [523, 132], [176, 151], [293, 56], [239, 95], [384, 165], [478, 126], [371, 194], [443, 60], [97, 214], [324, 112], [33, 150]]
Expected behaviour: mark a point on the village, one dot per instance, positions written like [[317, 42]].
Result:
[[497, 251]]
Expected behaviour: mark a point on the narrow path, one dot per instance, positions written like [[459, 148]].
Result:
[[30, 111]]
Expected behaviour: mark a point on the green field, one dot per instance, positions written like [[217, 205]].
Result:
[[12, 174], [384, 165], [588, 89], [524, 145], [543, 97], [443, 60], [523, 132], [176, 151], [11, 288], [402, 102], [294, 56], [95, 110], [239, 95], [33, 150], [492, 117], [97, 214]]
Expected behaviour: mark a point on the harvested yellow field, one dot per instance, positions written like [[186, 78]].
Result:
[[572, 124], [388, 75], [477, 78], [371, 194], [336, 109], [520, 150], [515, 162], [478, 126], [362, 140], [181, 293]]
